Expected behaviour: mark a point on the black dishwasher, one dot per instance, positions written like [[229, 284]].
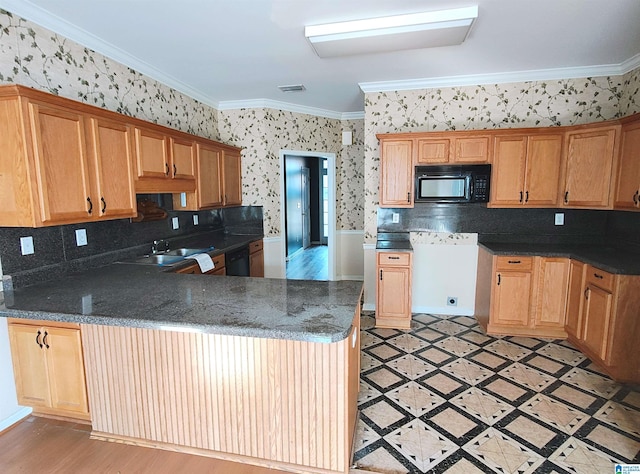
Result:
[[237, 262]]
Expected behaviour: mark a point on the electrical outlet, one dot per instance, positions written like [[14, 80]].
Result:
[[559, 218], [395, 217], [174, 223], [452, 301], [183, 199], [81, 237], [195, 219], [26, 245]]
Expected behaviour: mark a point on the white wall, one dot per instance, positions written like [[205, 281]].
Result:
[[10, 411]]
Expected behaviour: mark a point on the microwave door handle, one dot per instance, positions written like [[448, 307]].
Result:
[[471, 193]]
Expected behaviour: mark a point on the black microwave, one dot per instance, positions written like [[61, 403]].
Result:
[[452, 183]]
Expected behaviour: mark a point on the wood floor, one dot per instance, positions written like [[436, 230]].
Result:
[[40, 445], [310, 264]]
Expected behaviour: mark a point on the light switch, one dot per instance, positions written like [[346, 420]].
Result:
[[174, 223], [81, 237], [26, 245], [559, 218]]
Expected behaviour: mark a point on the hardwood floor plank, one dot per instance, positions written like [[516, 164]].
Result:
[[41, 445], [311, 264]]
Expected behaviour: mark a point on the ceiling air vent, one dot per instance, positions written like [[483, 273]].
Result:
[[293, 88]]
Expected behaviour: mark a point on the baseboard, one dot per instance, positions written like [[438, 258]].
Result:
[[448, 310], [18, 416], [352, 277], [368, 307]]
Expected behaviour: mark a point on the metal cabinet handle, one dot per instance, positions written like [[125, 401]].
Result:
[[526, 198], [175, 170], [90, 205], [586, 293], [515, 261], [394, 258], [44, 339], [104, 205], [635, 198], [380, 275], [166, 169], [409, 197], [566, 197], [600, 277], [38, 339], [499, 279], [520, 196]]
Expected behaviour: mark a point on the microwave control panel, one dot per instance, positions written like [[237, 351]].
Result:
[[481, 185]]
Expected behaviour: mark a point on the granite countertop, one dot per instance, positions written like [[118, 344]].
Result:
[[610, 259], [147, 297], [394, 242]]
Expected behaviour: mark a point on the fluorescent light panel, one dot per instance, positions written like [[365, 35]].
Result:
[[412, 31]]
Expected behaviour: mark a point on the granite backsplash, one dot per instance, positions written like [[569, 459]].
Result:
[[515, 225], [56, 252]]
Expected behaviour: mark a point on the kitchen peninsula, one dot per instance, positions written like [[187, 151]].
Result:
[[256, 370]]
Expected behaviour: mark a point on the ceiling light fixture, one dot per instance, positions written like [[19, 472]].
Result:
[[292, 88], [392, 33]]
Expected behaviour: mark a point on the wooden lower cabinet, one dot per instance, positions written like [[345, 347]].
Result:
[[194, 268], [256, 259], [49, 368], [574, 299], [528, 296], [609, 327], [393, 290]]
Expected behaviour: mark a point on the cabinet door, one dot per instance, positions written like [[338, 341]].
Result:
[[588, 167], [433, 150], [61, 165], [553, 279], [111, 146], [183, 158], [66, 369], [511, 299], [256, 264], [393, 290], [509, 163], [396, 173], [231, 178], [629, 169], [29, 365], [152, 158], [471, 150], [544, 154], [596, 317], [574, 299], [209, 180]]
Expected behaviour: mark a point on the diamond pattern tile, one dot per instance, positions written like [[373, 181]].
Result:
[[443, 397]]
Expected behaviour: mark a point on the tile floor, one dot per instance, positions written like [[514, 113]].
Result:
[[445, 398]]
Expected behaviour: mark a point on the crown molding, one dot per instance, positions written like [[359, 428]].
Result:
[[58, 25], [287, 107], [506, 77]]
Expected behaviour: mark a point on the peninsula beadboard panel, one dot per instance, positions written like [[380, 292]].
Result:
[[262, 401]]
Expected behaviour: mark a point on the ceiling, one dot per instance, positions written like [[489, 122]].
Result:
[[235, 53]]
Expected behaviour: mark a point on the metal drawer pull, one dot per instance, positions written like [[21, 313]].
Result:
[[515, 261], [393, 258], [598, 276]]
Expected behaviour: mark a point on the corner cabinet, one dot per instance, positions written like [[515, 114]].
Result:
[[590, 158], [628, 187], [393, 290], [526, 170], [49, 368], [396, 173], [231, 178], [61, 166]]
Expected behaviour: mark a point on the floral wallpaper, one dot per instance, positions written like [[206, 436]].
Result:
[[262, 133], [523, 104], [35, 57]]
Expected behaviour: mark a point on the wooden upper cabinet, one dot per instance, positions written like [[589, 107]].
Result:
[[628, 187], [231, 178], [183, 158], [526, 170], [209, 188], [112, 151], [152, 157], [589, 162], [61, 165], [396, 173], [471, 147]]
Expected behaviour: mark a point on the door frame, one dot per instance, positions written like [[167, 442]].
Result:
[[331, 178]]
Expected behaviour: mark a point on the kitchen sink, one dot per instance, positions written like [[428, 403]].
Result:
[[170, 257], [185, 252]]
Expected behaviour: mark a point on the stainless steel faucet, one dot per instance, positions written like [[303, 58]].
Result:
[[159, 246]]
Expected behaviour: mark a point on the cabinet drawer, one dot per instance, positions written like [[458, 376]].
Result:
[[42, 323], [218, 261], [394, 258], [514, 263], [255, 246], [600, 278]]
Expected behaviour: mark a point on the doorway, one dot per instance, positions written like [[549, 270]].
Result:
[[308, 214]]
